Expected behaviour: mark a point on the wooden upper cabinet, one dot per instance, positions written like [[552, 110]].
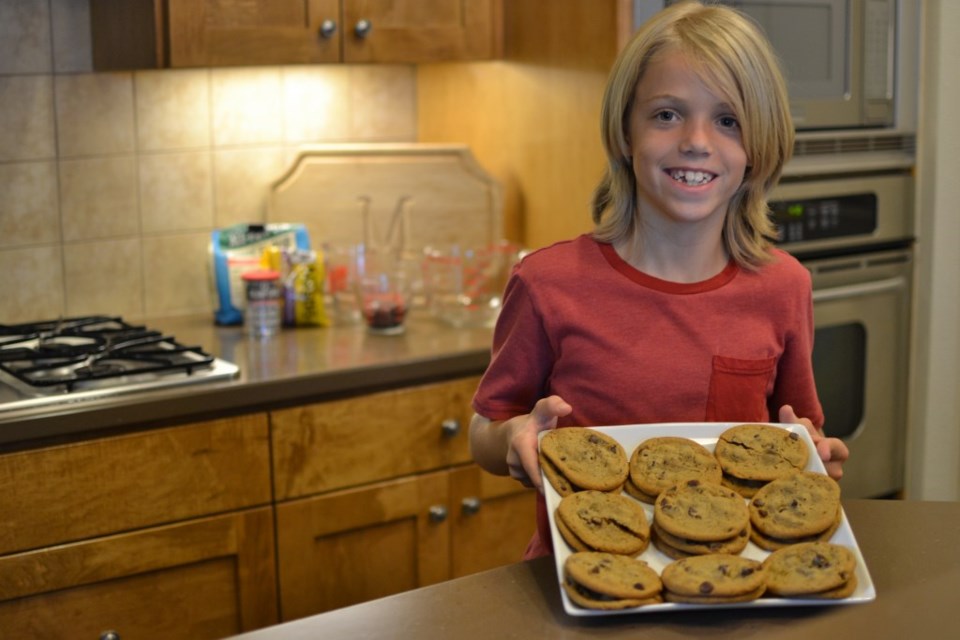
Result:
[[137, 34], [418, 30]]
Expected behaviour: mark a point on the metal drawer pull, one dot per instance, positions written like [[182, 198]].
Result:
[[450, 427], [110, 635], [363, 28], [438, 513], [327, 29], [470, 505]]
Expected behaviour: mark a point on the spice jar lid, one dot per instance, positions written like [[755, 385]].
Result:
[[260, 275]]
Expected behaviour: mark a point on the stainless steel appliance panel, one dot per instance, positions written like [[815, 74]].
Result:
[[860, 359]]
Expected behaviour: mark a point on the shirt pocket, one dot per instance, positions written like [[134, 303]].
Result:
[[738, 389]]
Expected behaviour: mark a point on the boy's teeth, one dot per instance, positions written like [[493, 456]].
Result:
[[692, 177]]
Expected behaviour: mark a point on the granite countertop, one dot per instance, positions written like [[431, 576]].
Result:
[[297, 366]]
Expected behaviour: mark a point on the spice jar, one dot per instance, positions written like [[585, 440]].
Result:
[[264, 300]]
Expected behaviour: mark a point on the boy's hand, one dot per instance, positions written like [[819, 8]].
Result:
[[832, 451], [522, 460]]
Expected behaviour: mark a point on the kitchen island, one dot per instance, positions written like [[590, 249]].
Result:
[[909, 547]]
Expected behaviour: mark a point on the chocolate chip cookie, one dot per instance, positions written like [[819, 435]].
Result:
[[761, 452], [585, 458], [802, 504], [701, 511], [598, 580], [659, 463], [716, 577], [601, 521], [802, 570]]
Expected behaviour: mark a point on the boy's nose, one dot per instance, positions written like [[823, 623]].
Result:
[[696, 138]]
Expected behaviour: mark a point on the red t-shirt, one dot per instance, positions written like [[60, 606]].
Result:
[[622, 347]]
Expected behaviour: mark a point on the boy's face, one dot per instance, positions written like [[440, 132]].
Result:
[[685, 144]]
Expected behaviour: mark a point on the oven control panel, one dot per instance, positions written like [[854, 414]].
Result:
[[809, 219]]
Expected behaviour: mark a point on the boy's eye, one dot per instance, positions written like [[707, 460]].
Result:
[[729, 122], [665, 116]]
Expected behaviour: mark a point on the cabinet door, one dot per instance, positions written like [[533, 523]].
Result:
[[492, 519], [121, 483], [207, 578], [345, 443], [351, 546], [419, 30], [250, 32]]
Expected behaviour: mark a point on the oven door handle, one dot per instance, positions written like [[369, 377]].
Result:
[[860, 290]]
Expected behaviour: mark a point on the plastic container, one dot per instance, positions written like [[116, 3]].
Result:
[[264, 302]]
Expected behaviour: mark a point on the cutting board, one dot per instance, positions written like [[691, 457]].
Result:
[[420, 194]]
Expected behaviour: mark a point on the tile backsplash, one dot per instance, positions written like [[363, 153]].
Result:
[[111, 183]]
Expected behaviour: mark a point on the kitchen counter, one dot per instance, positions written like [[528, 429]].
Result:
[[297, 366], [909, 548]]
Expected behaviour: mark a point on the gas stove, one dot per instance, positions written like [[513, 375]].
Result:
[[83, 358]]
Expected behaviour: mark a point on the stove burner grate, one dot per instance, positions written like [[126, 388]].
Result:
[[72, 351]]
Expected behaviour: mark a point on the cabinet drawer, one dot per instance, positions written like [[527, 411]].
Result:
[[344, 443], [207, 578], [82, 490]]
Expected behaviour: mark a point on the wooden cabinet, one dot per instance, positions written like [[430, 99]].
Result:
[[209, 529], [129, 34], [377, 496], [166, 533], [206, 578]]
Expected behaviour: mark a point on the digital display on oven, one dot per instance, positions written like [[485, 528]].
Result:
[[825, 218]]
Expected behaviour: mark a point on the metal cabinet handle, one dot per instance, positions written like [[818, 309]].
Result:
[[327, 29], [470, 505], [363, 28], [450, 427], [438, 513], [110, 635]]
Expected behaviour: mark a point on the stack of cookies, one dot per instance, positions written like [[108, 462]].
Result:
[[811, 570], [752, 455], [575, 459], [713, 579], [609, 581], [660, 463], [599, 521], [803, 507], [698, 518]]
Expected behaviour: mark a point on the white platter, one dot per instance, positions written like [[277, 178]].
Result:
[[706, 433]]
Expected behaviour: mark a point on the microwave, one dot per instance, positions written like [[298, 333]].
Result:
[[843, 60]]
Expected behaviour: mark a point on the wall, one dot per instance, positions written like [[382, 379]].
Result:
[[110, 183], [934, 467]]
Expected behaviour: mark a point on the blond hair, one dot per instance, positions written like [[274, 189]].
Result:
[[734, 59]]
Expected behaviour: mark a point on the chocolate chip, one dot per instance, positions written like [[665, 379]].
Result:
[[747, 571], [706, 587], [820, 562], [794, 436], [639, 586], [758, 503], [693, 483], [762, 513]]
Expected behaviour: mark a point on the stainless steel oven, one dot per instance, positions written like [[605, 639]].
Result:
[[854, 233]]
